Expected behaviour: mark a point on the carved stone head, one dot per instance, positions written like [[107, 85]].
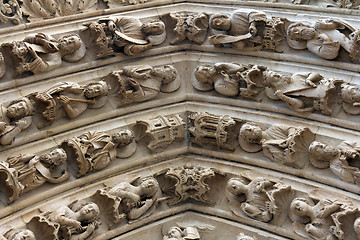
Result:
[[251, 133], [205, 74], [220, 21], [153, 27], [20, 234], [96, 89], [236, 186], [56, 157], [350, 94], [88, 211], [175, 232], [299, 210], [71, 47], [300, 31], [123, 137], [322, 152], [20, 108], [149, 187], [167, 73]]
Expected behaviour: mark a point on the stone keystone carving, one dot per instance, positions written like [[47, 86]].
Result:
[[40, 52], [324, 220], [325, 38], [23, 173], [38, 10], [69, 99], [132, 200], [143, 82], [161, 131], [15, 117], [243, 30], [263, 199], [17, 234], [189, 182], [125, 34], [186, 25], [338, 159], [280, 143], [210, 130], [78, 221]]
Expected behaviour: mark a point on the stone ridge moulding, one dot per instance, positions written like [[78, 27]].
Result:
[[239, 193]]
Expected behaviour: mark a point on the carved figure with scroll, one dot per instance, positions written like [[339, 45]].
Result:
[[351, 98], [15, 117], [69, 99], [316, 217], [337, 159], [40, 52], [262, 199], [27, 172], [93, 151], [17, 234], [143, 82], [325, 38], [126, 34], [129, 200], [280, 143], [78, 221], [241, 27], [186, 25], [303, 92], [230, 78]]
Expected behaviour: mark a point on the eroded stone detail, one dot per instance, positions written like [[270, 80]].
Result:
[[125, 34], [186, 25], [40, 52], [143, 82], [209, 130], [176, 233], [243, 236], [17, 234], [280, 143], [78, 221], [10, 11], [118, 3], [24, 173], [263, 199]]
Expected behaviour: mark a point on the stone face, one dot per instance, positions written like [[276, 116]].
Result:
[[125, 119]]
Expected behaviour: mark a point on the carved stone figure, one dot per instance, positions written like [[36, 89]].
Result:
[[126, 34], [189, 182], [176, 233], [40, 52], [93, 151], [351, 98], [77, 221], [262, 199], [17, 234], [69, 99], [230, 78], [303, 92], [325, 38], [38, 10], [15, 117], [247, 29], [125, 144], [319, 218], [338, 159], [143, 82], [209, 130], [132, 200], [280, 143], [186, 25], [162, 131], [23, 173]]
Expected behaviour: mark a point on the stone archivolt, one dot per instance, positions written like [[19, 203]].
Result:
[[137, 167]]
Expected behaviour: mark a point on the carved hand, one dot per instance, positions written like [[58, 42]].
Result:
[[22, 124], [76, 224], [64, 99]]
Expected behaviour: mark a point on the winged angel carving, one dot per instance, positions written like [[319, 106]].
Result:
[[43, 9]]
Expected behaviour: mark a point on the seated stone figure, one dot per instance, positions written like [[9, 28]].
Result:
[[241, 27], [302, 92], [75, 222], [260, 200], [132, 201], [325, 38], [280, 143], [15, 117], [125, 34], [40, 52], [27, 172], [143, 82], [69, 99], [337, 159], [317, 218]]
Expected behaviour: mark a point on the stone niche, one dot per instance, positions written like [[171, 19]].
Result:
[[150, 119]]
